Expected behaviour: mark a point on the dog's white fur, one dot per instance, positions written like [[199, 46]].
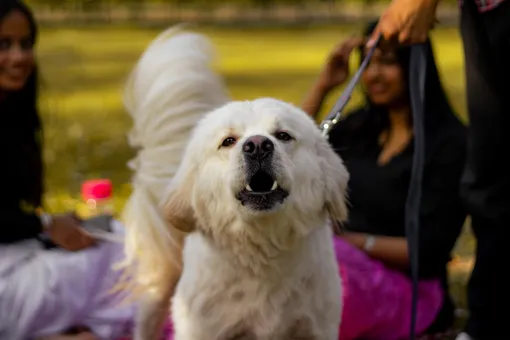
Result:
[[248, 274], [172, 86]]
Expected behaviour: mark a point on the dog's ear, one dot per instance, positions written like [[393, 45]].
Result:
[[334, 178], [178, 210]]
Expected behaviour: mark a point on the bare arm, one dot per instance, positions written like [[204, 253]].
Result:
[[406, 21], [334, 73], [392, 251], [314, 99]]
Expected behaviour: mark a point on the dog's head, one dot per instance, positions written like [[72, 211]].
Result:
[[257, 162]]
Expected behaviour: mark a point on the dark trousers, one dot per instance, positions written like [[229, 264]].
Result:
[[486, 180]]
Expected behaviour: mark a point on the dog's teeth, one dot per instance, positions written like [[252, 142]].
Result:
[[248, 187], [275, 185]]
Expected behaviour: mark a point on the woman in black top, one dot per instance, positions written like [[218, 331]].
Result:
[[376, 143], [42, 292], [21, 130]]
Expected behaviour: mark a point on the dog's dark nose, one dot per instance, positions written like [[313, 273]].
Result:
[[258, 147]]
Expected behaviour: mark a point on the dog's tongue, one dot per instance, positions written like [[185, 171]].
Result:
[[262, 182]]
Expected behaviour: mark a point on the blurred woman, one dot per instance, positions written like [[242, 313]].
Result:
[[43, 293], [376, 143]]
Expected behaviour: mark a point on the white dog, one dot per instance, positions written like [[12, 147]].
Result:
[[256, 188]]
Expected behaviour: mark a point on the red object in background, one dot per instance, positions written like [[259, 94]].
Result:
[[96, 189]]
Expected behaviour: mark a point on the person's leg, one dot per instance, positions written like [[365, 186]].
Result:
[[486, 180], [56, 290]]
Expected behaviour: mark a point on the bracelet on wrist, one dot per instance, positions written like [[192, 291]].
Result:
[[369, 243], [46, 221]]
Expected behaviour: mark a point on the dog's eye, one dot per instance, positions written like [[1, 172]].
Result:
[[283, 136], [229, 141]]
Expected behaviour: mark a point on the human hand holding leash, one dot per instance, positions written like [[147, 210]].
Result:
[[406, 22]]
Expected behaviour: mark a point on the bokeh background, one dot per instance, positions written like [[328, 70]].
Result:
[[265, 48]]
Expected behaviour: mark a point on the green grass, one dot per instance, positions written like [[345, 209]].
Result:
[[84, 70]]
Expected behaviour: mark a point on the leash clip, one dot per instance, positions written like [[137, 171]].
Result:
[[327, 125]]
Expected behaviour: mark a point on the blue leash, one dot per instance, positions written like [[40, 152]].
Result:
[[336, 113], [412, 208]]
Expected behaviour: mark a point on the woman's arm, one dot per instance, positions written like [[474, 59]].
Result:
[[314, 99], [334, 73], [392, 251]]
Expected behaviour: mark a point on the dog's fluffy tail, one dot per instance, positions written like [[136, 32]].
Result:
[[169, 90]]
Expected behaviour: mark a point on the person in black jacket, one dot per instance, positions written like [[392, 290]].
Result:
[[42, 292], [376, 143]]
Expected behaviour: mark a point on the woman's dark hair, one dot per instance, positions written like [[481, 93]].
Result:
[[22, 105], [21, 123], [373, 119]]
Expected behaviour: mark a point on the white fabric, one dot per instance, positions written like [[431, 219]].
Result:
[[170, 89], [44, 292]]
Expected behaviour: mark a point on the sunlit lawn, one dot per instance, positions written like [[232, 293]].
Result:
[[84, 69]]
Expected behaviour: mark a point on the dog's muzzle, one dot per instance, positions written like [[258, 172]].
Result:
[[262, 191]]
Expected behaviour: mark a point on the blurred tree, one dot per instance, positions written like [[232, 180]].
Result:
[[264, 3], [91, 5], [186, 3]]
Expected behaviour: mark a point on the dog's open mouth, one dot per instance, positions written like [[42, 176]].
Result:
[[262, 192], [261, 182]]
